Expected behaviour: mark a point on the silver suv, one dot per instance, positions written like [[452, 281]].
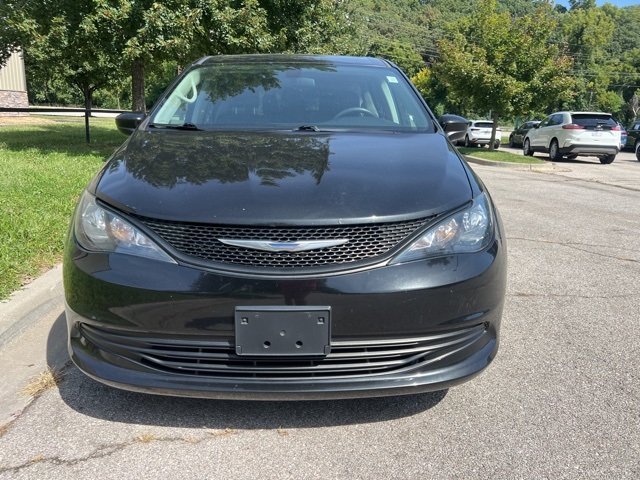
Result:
[[593, 134], [479, 133]]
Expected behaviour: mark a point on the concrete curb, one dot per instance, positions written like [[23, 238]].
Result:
[[32, 338], [26, 307], [534, 167]]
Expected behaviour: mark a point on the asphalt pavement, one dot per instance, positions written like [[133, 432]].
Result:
[[561, 400]]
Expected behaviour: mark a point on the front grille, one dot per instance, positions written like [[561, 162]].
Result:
[[200, 357], [201, 241]]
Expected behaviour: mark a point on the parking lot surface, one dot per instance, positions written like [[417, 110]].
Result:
[[561, 400]]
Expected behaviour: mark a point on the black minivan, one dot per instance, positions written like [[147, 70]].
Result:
[[285, 227]]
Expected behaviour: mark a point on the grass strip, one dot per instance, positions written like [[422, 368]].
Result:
[[43, 168], [498, 155]]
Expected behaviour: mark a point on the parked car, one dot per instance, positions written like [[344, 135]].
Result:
[[479, 133], [517, 136], [623, 136], [633, 136], [571, 134], [285, 227]]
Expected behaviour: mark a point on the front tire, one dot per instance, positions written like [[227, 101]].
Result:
[[607, 159], [638, 151], [554, 151], [512, 144], [467, 143], [526, 148]]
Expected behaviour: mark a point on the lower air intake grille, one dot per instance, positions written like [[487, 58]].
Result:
[[199, 357]]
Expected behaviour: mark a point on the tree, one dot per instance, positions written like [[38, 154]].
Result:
[[587, 30], [391, 27], [401, 54], [91, 42], [504, 64], [61, 37], [149, 33], [634, 105]]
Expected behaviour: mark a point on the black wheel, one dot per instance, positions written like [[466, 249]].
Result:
[[638, 151], [512, 144], [526, 148], [496, 144], [554, 151], [607, 159], [466, 141]]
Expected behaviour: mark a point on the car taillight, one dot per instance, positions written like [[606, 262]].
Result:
[[573, 126], [616, 128], [475, 129]]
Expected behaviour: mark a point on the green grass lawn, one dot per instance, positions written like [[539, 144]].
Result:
[[43, 169], [498, 155]]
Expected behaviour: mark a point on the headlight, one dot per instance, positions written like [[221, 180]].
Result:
[[467, 231], [99, 230]]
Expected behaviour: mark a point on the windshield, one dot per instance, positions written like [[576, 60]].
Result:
[[309, 96]]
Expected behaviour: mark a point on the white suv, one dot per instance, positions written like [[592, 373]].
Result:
[[479, 133], [570, 134]]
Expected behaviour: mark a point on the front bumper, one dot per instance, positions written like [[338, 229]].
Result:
[[154, 327]]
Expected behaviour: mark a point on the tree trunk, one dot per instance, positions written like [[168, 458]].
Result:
[[88, 96], [137, 86], [494, 118]]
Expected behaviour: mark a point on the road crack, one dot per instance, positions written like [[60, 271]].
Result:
[[104, 451]]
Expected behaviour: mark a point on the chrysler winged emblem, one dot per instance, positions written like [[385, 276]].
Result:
[[301, 246]]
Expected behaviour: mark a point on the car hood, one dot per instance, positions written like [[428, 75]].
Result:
[[271, 178]]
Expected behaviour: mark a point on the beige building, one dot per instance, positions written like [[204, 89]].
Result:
[[13, 84]]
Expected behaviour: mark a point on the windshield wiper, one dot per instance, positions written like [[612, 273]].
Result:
[[184, 126]]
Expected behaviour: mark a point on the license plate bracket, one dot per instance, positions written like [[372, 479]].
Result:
[[283, 331]]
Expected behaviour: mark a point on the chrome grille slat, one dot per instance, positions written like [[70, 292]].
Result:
[[201, 241]]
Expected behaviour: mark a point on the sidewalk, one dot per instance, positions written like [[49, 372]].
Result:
[[32, 337]]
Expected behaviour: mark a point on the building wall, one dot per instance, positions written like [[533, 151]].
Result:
[[13, 84]]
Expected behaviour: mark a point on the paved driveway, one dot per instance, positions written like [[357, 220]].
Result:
[[562, 399]]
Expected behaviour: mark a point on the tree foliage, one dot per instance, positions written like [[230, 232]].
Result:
[[505, 65], [61, 36], [103, 38], [105, 47]]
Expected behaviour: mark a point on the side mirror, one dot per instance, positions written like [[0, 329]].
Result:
[[129, 121], [454, 126]]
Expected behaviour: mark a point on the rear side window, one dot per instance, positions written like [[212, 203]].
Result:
[[556, 119], [590, 120]]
